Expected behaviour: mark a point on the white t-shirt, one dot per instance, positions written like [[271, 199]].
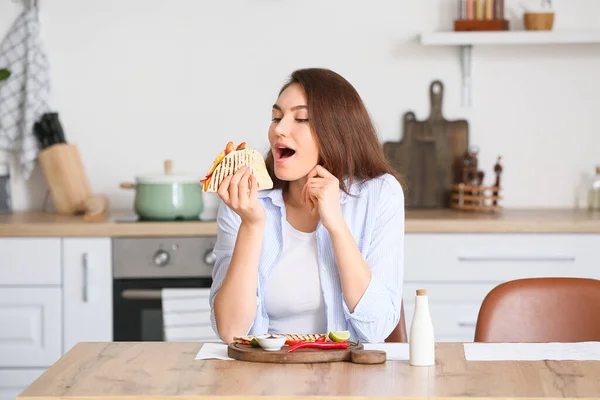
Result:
[[293, 296]]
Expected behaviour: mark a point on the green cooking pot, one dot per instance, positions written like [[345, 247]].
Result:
[[167, 196]]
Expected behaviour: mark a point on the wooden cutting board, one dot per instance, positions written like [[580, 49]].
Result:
[[429, 155], [355, 354]]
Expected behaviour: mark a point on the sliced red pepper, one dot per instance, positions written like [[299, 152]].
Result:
[[229, 148], [322, 339], [319, 345], [291, 342], [204, 183], [241, 146]]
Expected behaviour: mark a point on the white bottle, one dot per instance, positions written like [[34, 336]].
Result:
[[422, 341]]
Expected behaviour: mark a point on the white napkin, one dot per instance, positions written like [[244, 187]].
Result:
[[212, 351], [579, 351], [394, 351]]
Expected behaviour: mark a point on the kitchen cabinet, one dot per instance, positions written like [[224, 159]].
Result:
[[54, 292], [30, 302], [459, 270], [30, 310], [87, 290], [30, 261], [453, 307], [14, 381], [31, 331]]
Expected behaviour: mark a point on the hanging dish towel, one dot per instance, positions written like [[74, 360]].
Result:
[[24, 96], [186, 315]]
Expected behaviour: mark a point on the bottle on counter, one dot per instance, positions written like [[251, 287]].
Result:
[[5, 196], [421, 341], [594, 192]]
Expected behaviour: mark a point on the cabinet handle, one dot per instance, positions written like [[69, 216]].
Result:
[[84, 265], [516, 259], [467, 324]]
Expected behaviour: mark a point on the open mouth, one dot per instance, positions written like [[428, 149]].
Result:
[[283, 153]]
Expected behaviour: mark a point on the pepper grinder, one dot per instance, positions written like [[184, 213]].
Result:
[[498, 172]]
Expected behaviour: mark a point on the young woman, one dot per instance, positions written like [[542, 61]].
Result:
[[323, 250]]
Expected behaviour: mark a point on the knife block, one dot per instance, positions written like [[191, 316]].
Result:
[[67, 180]]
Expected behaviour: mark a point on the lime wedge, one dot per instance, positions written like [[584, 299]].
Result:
[[340, 336]]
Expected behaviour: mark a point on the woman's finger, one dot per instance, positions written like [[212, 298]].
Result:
[[317, 185], [223, 190], [312, 173], [313, 201], [321, 171], [243, 187], [312, 195], [253, 188], [233, 185], [317, 179]]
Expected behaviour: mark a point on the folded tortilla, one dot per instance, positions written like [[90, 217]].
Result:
[[236, 160]]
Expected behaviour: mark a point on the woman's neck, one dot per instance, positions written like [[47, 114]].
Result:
[[292, 196], [299, 215]]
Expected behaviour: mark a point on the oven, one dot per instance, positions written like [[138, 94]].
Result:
[[142, 268]]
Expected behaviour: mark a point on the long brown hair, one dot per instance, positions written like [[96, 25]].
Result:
[[346, 138]]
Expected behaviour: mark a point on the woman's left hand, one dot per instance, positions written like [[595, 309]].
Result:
[[322, 191]]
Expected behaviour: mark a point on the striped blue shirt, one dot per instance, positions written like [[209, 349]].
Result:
[[374, 214]]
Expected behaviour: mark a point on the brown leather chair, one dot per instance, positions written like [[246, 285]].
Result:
[[399, 332], [537, 310]]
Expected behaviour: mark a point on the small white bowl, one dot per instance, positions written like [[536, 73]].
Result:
[[271, 342]]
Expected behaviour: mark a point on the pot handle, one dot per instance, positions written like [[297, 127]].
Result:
[[127, 185]]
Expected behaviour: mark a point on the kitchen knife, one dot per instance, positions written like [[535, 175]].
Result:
[[56, 127], [40, 133], [45, 121]]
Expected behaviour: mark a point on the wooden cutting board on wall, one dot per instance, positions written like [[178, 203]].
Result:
[[429, 156]]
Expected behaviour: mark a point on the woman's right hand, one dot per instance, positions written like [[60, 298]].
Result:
[[240, 192]]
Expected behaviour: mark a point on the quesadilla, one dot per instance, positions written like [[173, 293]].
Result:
[[232, 159]]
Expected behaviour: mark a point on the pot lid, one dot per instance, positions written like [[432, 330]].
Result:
[[168, 176]]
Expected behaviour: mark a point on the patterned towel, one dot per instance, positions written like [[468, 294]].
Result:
[[24, 96], [186, 315]]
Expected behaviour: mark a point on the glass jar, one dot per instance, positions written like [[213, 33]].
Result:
[[594, 192]]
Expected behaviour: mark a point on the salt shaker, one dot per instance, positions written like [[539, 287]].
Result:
[[422, 341]]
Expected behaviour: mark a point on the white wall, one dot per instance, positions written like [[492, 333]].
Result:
[[140, 81]]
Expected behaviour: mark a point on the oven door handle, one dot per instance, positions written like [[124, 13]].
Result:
[[141, 294]]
